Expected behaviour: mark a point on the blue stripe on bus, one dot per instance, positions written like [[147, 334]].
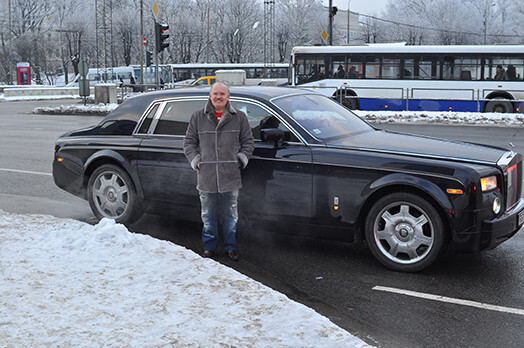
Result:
[[419, 105]]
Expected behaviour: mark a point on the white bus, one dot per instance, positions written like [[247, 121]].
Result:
[[400, 77], [117, 75], [255, 72]]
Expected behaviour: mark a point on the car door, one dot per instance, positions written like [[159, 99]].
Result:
[[277, 183], [165, 174]]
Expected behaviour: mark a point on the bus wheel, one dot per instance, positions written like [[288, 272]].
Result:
[[350, 103], [499, 105]]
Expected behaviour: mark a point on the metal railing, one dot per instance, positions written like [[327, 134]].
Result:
[[406, 94]]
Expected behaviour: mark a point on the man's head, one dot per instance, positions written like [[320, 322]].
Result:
[[219, 96]]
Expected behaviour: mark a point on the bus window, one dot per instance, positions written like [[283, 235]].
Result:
[[515, 69], [391, 68], [448, 68], [512, 69], [372, 68], [310, 69], [338, 67], [409, 69], [467, 68], [355, 66], [426, 68]]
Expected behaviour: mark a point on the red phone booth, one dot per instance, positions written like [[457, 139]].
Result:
[[23, 73]]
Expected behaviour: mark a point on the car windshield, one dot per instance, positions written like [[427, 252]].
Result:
[[322, 117]]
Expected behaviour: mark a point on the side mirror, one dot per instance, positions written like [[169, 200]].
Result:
[[271, 134]]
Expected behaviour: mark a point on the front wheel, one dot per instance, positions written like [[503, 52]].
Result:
[[112, 195], [405, 232]]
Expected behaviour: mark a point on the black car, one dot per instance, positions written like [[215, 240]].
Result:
[[315, 164]]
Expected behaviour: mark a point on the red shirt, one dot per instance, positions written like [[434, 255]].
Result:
[[218, 115]]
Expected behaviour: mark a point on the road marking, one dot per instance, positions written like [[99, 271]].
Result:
[[451, 300], [24, 171]]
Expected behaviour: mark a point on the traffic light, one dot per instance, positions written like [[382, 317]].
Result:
[[149, 58], [333, 11], [161, 36]]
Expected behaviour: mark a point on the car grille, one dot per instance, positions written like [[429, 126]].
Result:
[[513, 175]]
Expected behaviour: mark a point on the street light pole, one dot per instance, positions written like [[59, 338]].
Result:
[[486, 12], [349, 15], [141, 47], [10, 44], [330, 28]]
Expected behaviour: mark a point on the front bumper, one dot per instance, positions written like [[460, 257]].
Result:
[[497, 231]]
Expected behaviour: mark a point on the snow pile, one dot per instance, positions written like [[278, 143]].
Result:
[[67, 283], [72, 109], [377, 117], [443, 117]]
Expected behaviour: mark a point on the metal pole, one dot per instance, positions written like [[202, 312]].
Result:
[[141, 43], [330, 23], [207, 42], [10, 45], [349, 15]]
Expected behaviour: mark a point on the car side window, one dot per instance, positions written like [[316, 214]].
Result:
[[259, 118], [144, 127], [175, 116]]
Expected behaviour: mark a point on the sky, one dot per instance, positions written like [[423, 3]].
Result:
[[70, 284], [368, 7]]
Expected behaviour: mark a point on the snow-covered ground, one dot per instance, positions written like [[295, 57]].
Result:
[[67, 283]]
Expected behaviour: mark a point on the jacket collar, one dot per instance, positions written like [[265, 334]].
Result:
[[229, 111]]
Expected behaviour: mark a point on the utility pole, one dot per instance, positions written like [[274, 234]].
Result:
[[332, 12], [349, 17], [141, 38], [10, 44]]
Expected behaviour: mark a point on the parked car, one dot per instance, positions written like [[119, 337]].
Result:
[[315, 164], [204, 81]]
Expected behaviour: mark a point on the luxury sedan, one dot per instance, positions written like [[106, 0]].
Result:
[[315, 165]]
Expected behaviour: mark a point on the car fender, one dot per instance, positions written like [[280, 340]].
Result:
[[417, 182], [112, 156]]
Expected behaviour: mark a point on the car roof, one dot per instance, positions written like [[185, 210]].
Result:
[[135, 106]]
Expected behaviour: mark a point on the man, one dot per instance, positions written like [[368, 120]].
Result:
[[218, 144], [501, 73]]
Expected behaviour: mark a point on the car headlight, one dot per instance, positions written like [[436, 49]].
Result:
[[488, 183], [496, 206]]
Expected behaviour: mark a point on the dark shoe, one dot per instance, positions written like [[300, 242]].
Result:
[[232, 255], [208, 253]]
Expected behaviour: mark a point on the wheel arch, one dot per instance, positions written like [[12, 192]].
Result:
[[499, 95], [409, 184], [341, 92], [110, 157]]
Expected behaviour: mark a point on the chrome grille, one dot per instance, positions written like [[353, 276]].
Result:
[[513, 176]]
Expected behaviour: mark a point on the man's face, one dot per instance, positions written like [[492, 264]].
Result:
[[219, 96]]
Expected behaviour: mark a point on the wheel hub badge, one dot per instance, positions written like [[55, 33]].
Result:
[[404, 231], [111, 195]]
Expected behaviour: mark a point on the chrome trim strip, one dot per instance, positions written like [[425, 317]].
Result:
[[416, 154], [506, 159]]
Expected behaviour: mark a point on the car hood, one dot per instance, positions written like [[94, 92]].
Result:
[[420, 146]]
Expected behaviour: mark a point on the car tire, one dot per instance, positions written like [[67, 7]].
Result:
[[112, 195], [499, 105], [405, 232]]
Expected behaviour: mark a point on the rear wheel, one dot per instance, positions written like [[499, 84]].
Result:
[[499, 105], [405, 232], [349, 101], [112, 195]]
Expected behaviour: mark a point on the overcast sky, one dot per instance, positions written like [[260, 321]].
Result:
[[360, 6]]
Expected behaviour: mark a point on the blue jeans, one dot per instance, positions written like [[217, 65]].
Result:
[[223, 206]]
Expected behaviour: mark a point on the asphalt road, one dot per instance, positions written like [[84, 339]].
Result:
[[461, 301]]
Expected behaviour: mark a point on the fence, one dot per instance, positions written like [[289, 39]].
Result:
[[409, 94]]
